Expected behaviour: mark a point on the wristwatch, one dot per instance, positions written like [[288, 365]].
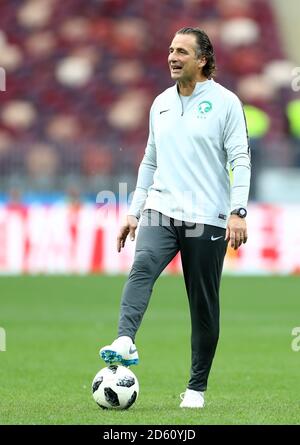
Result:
[[241, 212]]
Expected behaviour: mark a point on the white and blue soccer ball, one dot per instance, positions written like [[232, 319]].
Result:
[[115, 387]]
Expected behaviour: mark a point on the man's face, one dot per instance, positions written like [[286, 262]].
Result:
[[183, 62]]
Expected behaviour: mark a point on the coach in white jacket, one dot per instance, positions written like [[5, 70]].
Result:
[[187, 203]]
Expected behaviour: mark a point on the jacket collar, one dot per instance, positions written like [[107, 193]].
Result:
[[200, 87]]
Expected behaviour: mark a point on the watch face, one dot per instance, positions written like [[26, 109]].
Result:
[[242, 212]]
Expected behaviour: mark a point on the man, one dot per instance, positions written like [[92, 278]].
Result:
[[197, 127]]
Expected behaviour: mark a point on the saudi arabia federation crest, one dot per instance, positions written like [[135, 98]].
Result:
[[204, 108]]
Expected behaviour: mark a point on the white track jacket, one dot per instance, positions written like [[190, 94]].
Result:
[[192, 142]]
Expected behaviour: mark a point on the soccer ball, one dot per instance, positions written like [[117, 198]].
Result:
[[115, 387]]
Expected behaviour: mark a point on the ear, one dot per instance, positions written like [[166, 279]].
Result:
[[202, 62]]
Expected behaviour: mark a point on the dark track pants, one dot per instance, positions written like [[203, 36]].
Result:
[[202, 249]]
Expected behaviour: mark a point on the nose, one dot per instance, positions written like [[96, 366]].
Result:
[[172, 58]]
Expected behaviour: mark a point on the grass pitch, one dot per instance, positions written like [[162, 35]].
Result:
[[55, 326]]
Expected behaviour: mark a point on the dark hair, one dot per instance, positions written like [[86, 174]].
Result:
[[204, 48]]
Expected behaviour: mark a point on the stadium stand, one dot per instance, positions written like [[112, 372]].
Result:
[[81, 75]]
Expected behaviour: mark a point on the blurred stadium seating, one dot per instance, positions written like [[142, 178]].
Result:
[[81, 75]]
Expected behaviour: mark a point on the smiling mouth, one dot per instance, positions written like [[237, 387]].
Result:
[[176, 69]]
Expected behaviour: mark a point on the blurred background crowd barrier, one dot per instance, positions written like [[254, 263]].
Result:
[[80, 76], [81, 239]]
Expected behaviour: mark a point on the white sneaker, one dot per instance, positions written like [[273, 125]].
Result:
[[121, 350], [192, 399]]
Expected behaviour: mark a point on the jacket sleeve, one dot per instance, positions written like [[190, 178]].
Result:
[[145, 173], [236, 144]]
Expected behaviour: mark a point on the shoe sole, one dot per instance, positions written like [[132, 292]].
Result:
[[110, 356], [191, 407]]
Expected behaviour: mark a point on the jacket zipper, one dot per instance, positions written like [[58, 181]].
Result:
[[182, 110]]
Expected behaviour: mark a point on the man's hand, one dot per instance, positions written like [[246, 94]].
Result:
[[236, 231], [129, 227]]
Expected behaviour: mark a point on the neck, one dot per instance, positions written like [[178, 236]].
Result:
[[186, 88]]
